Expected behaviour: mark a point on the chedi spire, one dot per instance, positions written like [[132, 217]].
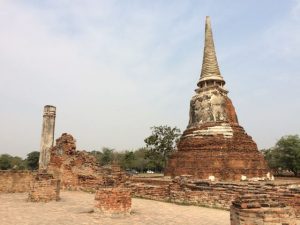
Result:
[[210, 68]]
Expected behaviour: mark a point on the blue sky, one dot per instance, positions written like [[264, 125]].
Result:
[[113, 69]]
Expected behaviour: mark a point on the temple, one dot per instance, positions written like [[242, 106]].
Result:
[[214, 145]]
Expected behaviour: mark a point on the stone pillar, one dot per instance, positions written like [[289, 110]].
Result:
[[47, 139], [44, 188], [113, 201], [257, 209]]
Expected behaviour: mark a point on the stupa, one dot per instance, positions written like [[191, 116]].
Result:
[[214, 145]]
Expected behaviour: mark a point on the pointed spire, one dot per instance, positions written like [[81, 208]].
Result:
[[210, 68]]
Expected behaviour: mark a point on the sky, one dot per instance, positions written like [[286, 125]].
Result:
[[114, 69]]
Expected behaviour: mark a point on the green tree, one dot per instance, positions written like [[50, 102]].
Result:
[[32, 160], [6, 162], [141, 162], [272, 158], [285, 154], [288, 150], [161, 144], [107, 156], [18, 163], [128, 161]]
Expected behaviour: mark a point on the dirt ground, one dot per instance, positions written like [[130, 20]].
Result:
[[76, 208]]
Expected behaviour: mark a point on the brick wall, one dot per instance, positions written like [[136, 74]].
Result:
[[44, 188], [213, 194], [113, 201], [257, 209], [14, 181]]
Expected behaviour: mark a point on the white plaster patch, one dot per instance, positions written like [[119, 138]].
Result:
[[243, 177], [211, 178], [225, 129]]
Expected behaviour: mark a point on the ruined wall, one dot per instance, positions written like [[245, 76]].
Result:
[[113, 201], [257, 209], [214, 194], [15, 181], [79, 169], [44, 188]]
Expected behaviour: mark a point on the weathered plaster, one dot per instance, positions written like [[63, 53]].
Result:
[[47, 138]]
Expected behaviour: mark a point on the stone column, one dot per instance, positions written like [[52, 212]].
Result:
[[47, 139]]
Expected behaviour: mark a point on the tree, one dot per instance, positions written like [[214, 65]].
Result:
[[285, 154], [5, 162], [141, 162], [272, 159], [12, 162], [161, 144], [18, 163], [128, 160], [33, 160], [107, 156]]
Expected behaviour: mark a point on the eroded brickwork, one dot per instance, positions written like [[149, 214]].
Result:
[[217, 149], [113, 201], [79, 169], [15, 181], [44, 188], [185, 190], [257, 209]]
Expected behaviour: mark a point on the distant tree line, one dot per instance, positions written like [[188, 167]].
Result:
[[159, 146], [31, 162], [129, 160], [284, 156]]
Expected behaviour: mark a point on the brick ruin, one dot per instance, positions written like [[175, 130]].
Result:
[[44, 188], [189, 191], [214, 145], [257, 209], [79, 169], [15, 181], [113, 201]]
